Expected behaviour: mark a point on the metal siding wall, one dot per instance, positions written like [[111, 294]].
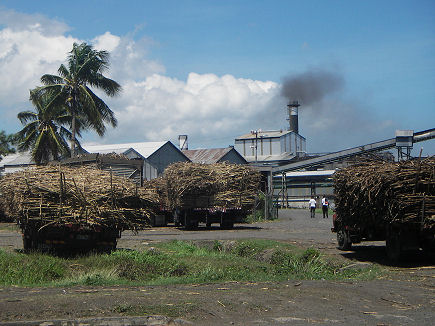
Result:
[[150, 172], [124, 171], [164, 156], [282, 143], [232, 157], [276, 148], [240, 147]]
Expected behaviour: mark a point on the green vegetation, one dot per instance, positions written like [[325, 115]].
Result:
[[43, 132], [179, 262], [66, 105], [259, 211], [6, 144], [85, 69]]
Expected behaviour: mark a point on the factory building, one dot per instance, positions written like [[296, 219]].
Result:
[[158, 155], [273, 147], [16, 162], [215, 155], [270, 147]]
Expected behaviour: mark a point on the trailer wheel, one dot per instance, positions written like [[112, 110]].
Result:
[[188, 223], [343, 239], [227, 224], [393, 246], [27, 244]]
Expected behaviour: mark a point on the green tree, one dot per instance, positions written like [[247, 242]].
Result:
[[6, 144], [85, 68], [43, 132]]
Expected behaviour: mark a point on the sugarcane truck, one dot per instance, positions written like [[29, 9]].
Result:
[[67, 237], [399, 236], [190, 217], [200, 209]]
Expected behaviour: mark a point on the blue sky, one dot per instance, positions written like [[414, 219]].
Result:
[[214, 69]]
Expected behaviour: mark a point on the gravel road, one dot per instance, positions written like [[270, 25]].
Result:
[[407, 298]]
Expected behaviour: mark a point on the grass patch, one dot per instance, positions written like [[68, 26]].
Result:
[[35, 269], [178, 262]]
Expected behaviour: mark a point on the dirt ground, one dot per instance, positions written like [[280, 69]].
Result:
[[407, 298]]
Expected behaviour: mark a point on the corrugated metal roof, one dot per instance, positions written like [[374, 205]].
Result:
[[24, 158], [146, 149], [265, 134], [207, 156]]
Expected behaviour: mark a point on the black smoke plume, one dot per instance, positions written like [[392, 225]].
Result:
[[311, 86]]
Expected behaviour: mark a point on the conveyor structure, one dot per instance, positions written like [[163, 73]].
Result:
[[340, 155]]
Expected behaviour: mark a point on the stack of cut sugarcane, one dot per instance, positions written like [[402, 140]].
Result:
[[384, 192], [221, 185], [85, 195]]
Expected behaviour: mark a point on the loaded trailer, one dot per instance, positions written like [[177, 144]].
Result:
[[193, 193], [399, 237], [386, 201], [191, 217], [69, 237], [74, 209]]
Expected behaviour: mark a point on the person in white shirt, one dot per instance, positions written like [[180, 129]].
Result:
[[312, 204], [325, 206]]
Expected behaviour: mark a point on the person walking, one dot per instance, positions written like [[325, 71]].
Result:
[[325, 206], [312, 204]]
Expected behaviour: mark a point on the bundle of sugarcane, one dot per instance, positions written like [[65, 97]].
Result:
[[384, 192], [159, 190], [210, 185], [85, 195]]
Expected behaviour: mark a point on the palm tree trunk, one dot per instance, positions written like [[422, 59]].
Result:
[[73, 133], [73, 124]]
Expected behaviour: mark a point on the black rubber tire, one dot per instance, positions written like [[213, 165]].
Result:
[[227, 225], [188, 224], [393, 246], [343, 240], [27, 244]]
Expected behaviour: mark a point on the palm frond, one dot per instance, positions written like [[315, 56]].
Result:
[[26, 116], [48, 79]]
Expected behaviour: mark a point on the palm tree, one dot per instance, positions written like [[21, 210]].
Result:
[[6, 144], [85, 69], [43, 132]]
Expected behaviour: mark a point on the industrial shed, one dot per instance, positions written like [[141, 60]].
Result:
[[16, 162], [215, 155], [272, 146], [120, 165], [157, 155]]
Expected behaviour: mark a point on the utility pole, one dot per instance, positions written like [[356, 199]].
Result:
[[255, 132]]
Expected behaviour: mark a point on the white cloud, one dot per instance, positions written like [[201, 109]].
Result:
[[107, 42], [25, 56], [211, 109], [151, 107], [206, 107]]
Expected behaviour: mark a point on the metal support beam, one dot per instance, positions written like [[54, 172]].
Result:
[[340, 155]]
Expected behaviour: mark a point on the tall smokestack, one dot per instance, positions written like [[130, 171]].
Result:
[[292, 108]]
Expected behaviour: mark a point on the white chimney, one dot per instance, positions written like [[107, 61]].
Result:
[[182, 139]]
